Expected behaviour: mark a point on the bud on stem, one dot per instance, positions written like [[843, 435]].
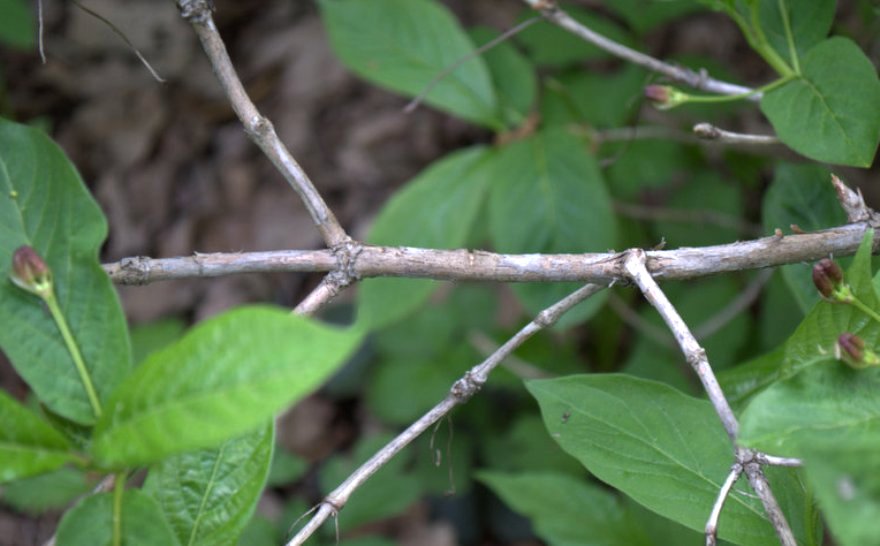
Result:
[[854, 353], [828, 278], [30, 272]]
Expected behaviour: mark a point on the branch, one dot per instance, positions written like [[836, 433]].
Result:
[[472, 265], [461, 391], [259, 128], [707, 131], [712, 524], [634, 263], [636, 270], [759, 483], [700, 80]]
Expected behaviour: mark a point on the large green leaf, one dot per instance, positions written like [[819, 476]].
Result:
[[226, 377], [847, 485], [435, 210], [404, 45], [208, 496], [809, 22], [666, 450], [28, 445], [830, 112], [801, 195], [566, 511], [548, 196], [826, 405], [90, 523], [44, 204], [50, 491], [512, 74]]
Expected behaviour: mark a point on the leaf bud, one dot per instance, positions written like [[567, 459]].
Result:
[[30, 272], [827, 276]]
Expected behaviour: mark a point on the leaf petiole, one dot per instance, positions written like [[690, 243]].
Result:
[[73, 349]]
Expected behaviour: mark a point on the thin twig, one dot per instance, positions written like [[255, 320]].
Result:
[[514, 364], [712, 524], [413, 104], [636, 269], [461, 391], [259, 128], [319, 297], [707, 131], [642, 212], [739, 304], [697, 80], [40, 24], [772, 460], [121, 35], [478, 265]]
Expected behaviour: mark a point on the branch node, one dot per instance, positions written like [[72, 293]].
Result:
[[466, 387], [196, 11], [259, 127], [854, 204], [139, 269]]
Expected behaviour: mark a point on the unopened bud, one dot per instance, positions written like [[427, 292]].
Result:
[[827, 276], [30, 272], [854, 352], [665, 97]]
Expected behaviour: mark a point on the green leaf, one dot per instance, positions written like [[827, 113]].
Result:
[[847, 485], [286, 467], [208, 496], [512, 74], [705, 193], [830, 113], [548, 196], [51, 491], [547, 44], [90, 523], [146, 338], [567, 511], [814, 340], [44, 204], [742, 382], [642, 164], [656, 444], [779, 313], [522, 448], [387, 493], [17, 26], [601, 100], [226, 377], [405, 45], [826, 405], [801, 195], [809, 22], [643, 15], [435, 210], [28, 445]]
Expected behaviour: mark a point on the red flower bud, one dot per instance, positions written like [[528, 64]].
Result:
[[852, 346], [827, 276], [30, 272]]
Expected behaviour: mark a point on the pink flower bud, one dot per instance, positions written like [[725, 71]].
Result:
[[852, 346], [30, 272]]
